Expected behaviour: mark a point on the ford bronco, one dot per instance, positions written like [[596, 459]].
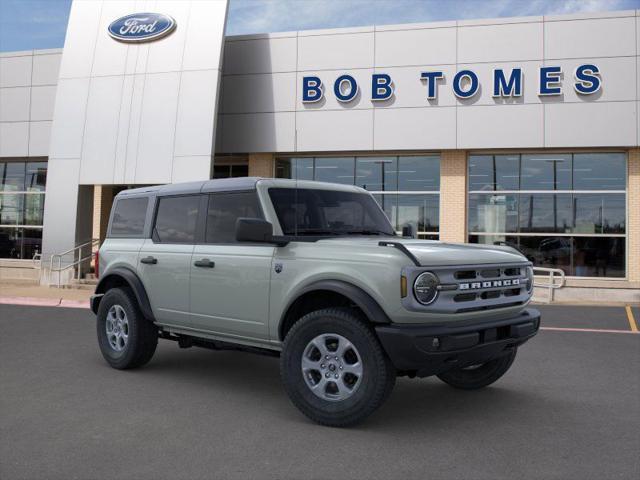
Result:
[[313, 273]]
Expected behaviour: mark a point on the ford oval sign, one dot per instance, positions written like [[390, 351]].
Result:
[[141, 27]]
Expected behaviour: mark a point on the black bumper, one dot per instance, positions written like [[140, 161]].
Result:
[[94, 302], [425, 351]]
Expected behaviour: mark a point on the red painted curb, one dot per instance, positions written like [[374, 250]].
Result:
[[44, 302]]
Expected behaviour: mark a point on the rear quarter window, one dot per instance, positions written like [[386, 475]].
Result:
[[128, 217]]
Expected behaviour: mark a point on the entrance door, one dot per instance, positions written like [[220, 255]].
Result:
[[230, 280], [165, 260]]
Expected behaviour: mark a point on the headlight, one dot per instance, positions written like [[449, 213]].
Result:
[[529, 279], [425, 288]]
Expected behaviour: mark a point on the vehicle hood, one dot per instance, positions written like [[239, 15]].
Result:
[[434, 253]]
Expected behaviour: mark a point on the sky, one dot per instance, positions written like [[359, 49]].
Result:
[[34, 24]]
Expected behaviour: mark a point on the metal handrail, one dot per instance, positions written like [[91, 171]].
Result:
[[78, 248], [551, 275]]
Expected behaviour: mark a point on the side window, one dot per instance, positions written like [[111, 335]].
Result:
[[176, 219], [224, 210], [128, 217]]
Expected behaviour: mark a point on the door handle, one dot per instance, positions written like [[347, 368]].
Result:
[[149, 260], [205, 262]]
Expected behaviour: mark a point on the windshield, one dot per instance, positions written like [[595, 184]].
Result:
[[328, 212]]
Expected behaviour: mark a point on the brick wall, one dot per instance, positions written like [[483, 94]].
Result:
[[261, 165], [453, 196], [633, 227]]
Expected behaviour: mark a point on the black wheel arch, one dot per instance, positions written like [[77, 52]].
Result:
[[340, 290], [125, 277]]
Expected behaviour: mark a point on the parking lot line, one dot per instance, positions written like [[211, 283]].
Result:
[[632, 321], [589, 330]]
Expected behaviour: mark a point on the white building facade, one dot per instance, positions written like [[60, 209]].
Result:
[[519, 131]]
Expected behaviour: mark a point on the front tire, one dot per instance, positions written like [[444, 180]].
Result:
[[126, 338], [479, 376], [334, 369]]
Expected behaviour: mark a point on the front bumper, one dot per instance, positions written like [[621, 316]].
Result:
[[428, 351]]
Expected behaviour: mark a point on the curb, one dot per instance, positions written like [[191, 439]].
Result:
[[44, 302]]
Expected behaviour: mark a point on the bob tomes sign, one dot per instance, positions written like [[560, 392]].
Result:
[[465, 84], [141, 27]]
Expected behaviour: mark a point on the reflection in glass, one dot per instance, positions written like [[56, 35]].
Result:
[[12, 209], [494, 172], [33, 209], [13, 177], [296, 168], [419, 174], [599, 171], [31, 242], [599, 256], [599, 213], [546, 172], [421, 212], [540, 212], [10, 240], [493, 213], [377, 174], [335, 170], [36, 176]]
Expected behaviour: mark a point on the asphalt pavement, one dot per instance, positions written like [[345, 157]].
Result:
[[568, 409]]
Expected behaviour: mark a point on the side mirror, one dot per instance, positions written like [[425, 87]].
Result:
[[253, 230]]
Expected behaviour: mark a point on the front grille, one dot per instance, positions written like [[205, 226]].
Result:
[[474, 288]]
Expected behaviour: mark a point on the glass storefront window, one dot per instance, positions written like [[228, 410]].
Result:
[[545, 172], [22, 187], [421, 212], [599, 171], [335, 170], [36, 176], [599, 213], [494, 172], [493, 213], [580, 230], [419, 174], [11, 209], [543, 212], [13, 177], [377, 174]]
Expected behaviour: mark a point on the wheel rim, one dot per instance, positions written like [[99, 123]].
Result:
[[332, 367], [117, 328]]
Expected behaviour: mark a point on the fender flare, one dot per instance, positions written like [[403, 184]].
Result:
[[134, 282], [358, 296]]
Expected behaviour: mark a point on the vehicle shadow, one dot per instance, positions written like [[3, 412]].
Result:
[[414, 404]]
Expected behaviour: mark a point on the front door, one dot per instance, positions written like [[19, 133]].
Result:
[[230, 280], [164, 262]]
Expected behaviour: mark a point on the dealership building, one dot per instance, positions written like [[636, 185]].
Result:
[[518, 131]]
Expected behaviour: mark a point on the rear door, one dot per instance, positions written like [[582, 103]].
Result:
[[164, 261], [230, 280]]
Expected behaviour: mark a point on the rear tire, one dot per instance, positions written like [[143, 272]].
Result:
[[334, 369], [126, 338], [479, 376]]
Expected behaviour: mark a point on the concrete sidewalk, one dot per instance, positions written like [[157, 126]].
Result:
[[17, 293]]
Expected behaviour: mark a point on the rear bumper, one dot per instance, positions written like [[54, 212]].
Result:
[[428, 351]]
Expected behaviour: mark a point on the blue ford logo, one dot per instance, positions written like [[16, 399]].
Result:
[[141, 27]]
